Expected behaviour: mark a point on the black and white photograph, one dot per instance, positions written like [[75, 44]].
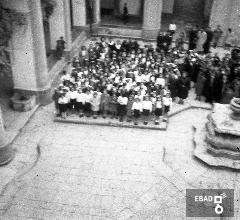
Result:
[[119, 109]]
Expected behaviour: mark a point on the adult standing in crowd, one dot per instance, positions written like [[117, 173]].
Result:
[[202, 37], [164, 41], [180, 41], [160, 40], [230, 39], [217, 35], [183, 87], [60, 47], [209, 39], [193, 37]]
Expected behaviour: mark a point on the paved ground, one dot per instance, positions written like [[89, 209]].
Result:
[[64, 171]]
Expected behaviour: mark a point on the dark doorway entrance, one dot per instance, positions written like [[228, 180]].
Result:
[[107, 7], [189, 10]]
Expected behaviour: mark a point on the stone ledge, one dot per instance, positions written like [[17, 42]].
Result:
[[179, 110], [225, 153], [201, 153], [221, 141], [222, 121], [189, 106], [120, 36], [113, 123]]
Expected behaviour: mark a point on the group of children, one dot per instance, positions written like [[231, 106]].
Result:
[[131, 105], [117, 80]]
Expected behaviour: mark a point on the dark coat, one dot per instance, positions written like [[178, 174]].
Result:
[[195, 71], [207, 89], [200, 84], [183, 87], [217, 89], [193, 37], [207, 44], [187, 66], [227, 96], [173, 87]]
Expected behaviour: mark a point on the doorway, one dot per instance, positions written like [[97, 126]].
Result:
[[112, 11]]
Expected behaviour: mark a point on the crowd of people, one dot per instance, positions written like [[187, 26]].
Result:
[[201, 39], [125, 81]]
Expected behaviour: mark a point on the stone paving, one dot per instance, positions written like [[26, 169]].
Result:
[[67, 171]]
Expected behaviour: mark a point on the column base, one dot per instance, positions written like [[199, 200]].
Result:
[[95, 27], [6, 154], [42, 97], [150, 34]]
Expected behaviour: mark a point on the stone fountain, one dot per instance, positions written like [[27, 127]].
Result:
[[218, 143]]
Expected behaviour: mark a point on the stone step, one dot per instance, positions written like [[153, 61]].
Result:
[[120, 31], [74, 119]]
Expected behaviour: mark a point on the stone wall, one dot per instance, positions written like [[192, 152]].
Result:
[[226, 14], [234, 20], [221, 11]]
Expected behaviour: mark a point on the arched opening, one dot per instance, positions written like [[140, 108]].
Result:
[[112, 12], [186, 13]]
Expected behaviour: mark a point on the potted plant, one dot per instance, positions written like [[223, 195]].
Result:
[[21, 101]]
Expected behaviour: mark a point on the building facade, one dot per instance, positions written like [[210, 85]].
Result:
[[27, 45]]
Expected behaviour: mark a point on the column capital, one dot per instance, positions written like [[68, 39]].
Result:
[[97, 11]]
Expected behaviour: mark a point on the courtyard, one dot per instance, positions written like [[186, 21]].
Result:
[[84, 171], [69, 171]]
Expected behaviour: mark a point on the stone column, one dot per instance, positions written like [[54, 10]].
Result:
[[39, 49], [6, 151], [59, 24], [152, 18], [28, 57], [96, 11], [79, 13], [68, 31]]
